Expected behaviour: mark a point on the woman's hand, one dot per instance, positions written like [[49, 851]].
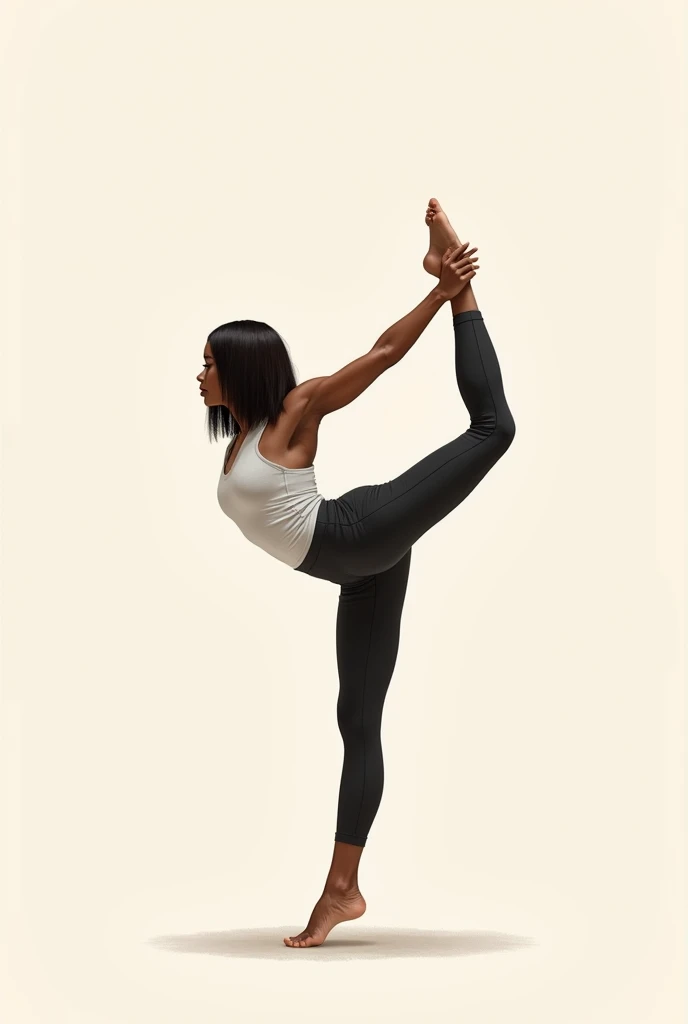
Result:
[[458, 268]]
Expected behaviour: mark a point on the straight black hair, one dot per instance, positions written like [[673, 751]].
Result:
[[255, 373]]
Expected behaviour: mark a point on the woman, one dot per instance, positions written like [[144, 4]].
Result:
[[363, 539]]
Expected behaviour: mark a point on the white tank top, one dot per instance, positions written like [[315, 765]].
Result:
[[273, 506]]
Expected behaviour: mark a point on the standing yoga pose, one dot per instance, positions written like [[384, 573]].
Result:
[[363, 539]]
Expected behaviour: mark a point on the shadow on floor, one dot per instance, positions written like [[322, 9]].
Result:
[[343, 943]]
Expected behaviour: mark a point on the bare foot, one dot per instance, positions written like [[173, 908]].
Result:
[[442, 235], [332, 908]]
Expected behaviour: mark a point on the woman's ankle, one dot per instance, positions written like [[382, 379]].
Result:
[[464, 301]]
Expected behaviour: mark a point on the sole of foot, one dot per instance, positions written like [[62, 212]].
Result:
[[442, 235]]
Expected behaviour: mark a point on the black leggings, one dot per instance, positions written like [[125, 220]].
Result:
[[363, 541]]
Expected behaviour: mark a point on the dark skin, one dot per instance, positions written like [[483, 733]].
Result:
[[293, 441]]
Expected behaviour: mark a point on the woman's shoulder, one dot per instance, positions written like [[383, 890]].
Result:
[[292, 440], [299, 395]]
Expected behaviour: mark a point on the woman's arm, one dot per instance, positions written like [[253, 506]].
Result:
[[399, 338], [326, 394], [340, 388]]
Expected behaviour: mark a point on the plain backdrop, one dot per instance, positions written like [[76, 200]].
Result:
[[171, 756]]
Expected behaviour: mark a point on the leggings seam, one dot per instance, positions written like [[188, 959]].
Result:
[[481, 441], [365, 683], [487, 379]]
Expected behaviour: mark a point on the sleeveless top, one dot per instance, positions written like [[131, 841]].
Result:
[[274, 507]]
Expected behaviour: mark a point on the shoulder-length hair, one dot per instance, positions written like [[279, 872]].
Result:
[[255, 372]]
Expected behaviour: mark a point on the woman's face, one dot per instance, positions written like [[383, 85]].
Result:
[[210, 387]]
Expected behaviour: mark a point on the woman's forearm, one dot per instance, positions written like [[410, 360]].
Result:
[[399, 338]]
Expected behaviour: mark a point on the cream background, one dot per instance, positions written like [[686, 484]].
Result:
[[171, 754]]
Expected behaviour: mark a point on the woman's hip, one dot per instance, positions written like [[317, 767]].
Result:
[[348, 541]]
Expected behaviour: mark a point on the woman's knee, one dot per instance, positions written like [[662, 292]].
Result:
[[505, 429], [498, 429]]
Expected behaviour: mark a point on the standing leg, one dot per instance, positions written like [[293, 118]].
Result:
[[368, 627]]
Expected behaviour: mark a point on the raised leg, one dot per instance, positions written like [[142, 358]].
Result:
[[392, 516]]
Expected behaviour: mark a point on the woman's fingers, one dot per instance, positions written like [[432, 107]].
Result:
[[466, 261], [463, 271], [465, 255], [462, 261]]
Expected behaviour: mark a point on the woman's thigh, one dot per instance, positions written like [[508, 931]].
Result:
[[368, 626], [369, 528], [403, 509]]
